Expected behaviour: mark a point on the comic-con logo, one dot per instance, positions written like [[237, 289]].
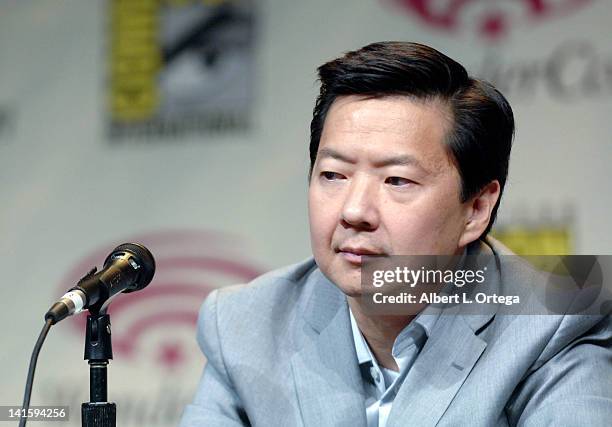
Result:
[[490, 19], [157, 325]]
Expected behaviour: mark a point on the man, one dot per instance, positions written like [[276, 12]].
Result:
[[409, 156]]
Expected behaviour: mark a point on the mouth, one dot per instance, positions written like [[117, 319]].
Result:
[[354, 255]]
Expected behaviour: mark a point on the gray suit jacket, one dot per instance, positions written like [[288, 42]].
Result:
[[280, 353]]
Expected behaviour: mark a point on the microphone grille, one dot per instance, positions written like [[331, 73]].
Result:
[[143, 257]]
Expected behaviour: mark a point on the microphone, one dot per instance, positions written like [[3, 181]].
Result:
[[129, 267]]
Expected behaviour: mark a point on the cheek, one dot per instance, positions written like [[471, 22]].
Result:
[[446, 222], [424, 226], [321, 219]]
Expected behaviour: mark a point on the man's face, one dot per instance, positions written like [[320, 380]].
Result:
[[383, 184]]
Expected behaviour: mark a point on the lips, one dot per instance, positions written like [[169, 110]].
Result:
[[354, 254], [358, 250]]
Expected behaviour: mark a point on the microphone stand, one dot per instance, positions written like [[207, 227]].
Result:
[[98, 350]]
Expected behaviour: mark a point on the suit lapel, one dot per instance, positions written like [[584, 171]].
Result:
[[326, 374], [440, 370], [448, 357]]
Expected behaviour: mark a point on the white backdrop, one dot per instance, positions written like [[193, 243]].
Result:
[[219, 208]]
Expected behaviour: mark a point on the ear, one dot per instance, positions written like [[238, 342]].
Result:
[[478, 212]]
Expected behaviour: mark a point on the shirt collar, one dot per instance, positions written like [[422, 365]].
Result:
[[424, 322], [363, 351]]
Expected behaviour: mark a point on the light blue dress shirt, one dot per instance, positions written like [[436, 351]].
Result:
[[380, 384]]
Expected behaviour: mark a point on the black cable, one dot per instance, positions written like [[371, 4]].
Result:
[[28, 390]]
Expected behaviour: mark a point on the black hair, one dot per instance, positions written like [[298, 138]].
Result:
[[482, 119]]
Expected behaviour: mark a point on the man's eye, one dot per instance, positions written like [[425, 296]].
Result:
[[397, 181], [331, 176]]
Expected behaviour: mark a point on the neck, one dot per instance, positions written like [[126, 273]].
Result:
[[380, 331]]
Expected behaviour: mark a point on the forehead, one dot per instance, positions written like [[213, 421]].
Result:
[[371, 129]]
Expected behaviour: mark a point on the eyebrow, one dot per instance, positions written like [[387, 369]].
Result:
[[331, 153], [401, 160]]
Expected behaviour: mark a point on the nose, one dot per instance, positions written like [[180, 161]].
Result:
[[360, 208]]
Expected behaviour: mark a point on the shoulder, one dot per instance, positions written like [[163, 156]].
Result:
[[267, 288], [265, 307], [546, 314]]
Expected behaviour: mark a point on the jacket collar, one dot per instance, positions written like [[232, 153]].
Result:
[[325, 370], [449, 355]]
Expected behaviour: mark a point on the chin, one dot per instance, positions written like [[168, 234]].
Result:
[[349, 289], [348, 281], [352, 292]]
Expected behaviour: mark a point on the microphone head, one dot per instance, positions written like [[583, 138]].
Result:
[[140, 255]]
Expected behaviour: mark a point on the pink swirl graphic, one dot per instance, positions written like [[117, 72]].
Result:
[[161, 317], [493, 18]]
